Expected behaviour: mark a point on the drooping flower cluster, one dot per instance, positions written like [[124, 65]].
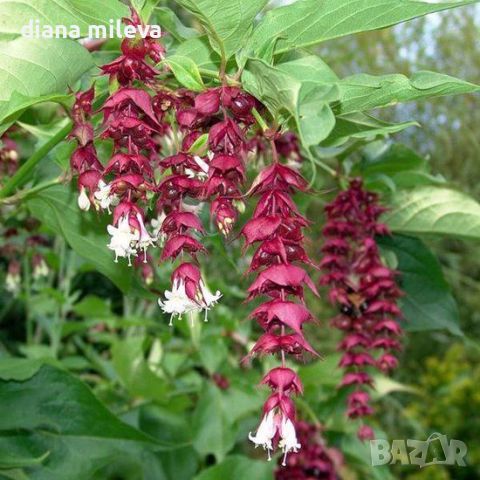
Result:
[[131, 120], [278, 227], [226, 113], [315, 461], [179, 226], [365, 291]]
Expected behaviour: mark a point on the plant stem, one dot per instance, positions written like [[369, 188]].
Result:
[[22, 194], [259, 120], [23, 173]]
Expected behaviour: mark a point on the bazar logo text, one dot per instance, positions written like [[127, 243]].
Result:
[[114, 29], [436, 450]]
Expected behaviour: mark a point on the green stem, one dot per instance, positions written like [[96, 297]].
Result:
[[259, 119], [21, 177], [22, 194]]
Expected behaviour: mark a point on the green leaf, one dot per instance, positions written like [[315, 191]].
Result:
[[186, 72], [212, 427], [397, 164], [434, 210], [227, 23], [19, 368], [32, 71], [239, 467], [135, 373], [54, 412], [7, 460], [199, 51], [428, 303], [14, 14], [360, 126], [365, 92], [213, 353], [172, 24], [308, 22], [295, 91], [85, 232]]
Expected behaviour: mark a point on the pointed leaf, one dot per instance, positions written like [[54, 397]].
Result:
[[307, 22], [428, 303], [434, 210], [226, 23]]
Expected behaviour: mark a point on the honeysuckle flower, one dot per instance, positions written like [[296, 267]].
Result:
[[144, 239], [207, 298], [40, 268], [13, 279], [123, 239], [83, 201], [104, 196], [265, 433], [177, 302], [314, 460], [288, 438]]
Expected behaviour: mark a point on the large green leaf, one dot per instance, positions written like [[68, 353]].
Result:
[[134, 372], [12, 368], [14, 14], [226, 23], [212, 427], [428, 303], [237, 467], [32, 71], [360, 126], [434, 210], [85, 232], [54, 412], [394, 167], [365, 92], [296, 90], [307, 22], [199, 51]]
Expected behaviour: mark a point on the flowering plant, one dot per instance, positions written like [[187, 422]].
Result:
[[212, 236]]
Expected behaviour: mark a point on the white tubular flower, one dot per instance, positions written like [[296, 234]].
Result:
[[203, 166], [123, 241], [177, 302], [83, 200], [104, 197], [12, 283], [208, 299], [156, 224], [288, 438], [144, 240], [202, 174], [265, 433], [40, 270]]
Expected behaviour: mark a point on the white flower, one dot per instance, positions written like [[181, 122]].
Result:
[[177, 302], [144, 240], [208, 299], [104, 197], [83, 200], [123, 241], [40, 270], [265, 433], [12, 282], [203, 169], [288, 438], [156, 224]]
